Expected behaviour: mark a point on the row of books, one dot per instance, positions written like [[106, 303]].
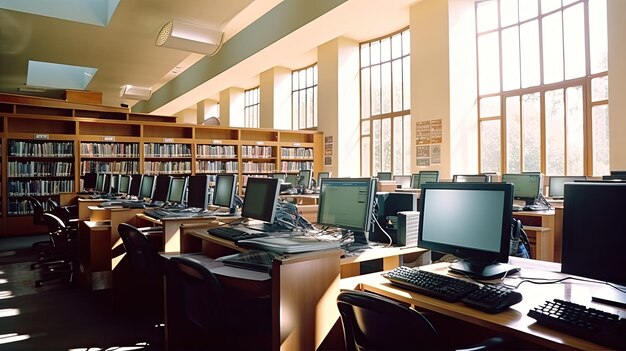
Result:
[[109, 149], [261, 167], [167, 150], [216, 150], [22, 207], [290, 166], [256, 151], [41, 149], [123, 167], [39, 169], [153, 167], [217, 166], [38, 187], [296, 152]]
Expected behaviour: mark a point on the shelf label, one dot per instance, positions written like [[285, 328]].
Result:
[[217, 141], [39, 136], [296, 144], [108, 138], [168, 140], [260, 143]]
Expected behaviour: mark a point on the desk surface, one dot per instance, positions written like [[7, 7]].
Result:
[[513, 321]]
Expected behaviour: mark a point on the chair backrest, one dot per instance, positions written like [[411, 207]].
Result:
[[144, 258], [58, 231], [196, 294], [374, 322], [38, 211]]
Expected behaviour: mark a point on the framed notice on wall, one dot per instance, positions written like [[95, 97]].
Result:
[[428, 139]]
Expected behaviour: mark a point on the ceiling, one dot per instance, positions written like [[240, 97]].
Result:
[[124, 51]]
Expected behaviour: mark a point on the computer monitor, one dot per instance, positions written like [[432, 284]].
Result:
[[320, 176], [123, 184], [161, 188], [383, 175], [260, 199], [593, 239], [347, 203], [99, 182], [527, 186], [106, 184], [471, 221], [292, 179], [403, 181], [198, 191], [224, 192], [556, 185], [282, 176], [470, 178], [135, 185], [304, 178], [89, 180], [147, 186], [415, 181], [428, 177], [176, 193]]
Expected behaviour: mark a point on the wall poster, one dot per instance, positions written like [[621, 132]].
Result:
[[328, 150], [428, 139]]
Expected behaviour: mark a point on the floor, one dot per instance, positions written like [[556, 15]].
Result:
[[63, 316]]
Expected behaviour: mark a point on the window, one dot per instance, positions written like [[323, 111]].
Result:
[[304, 98], [543, 86], [251, 108], [385, 105]]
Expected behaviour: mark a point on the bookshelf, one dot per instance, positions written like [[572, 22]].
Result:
[[108, 139]]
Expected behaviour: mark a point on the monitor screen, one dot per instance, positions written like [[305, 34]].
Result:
[[260, 199], [593, 241], [224, 192], [415, 181], [123, 184], [347, 203], [177, 190], [527, 186], [89, 180], [404, 181], [428, 177], [470, 178], [383, 175], [99, 182], [320, 176], [556, 184], [198, 191], [471, 221], [106, 184], [292, 179], [135, 185], [161, 188], [147, 185], [304, 178]]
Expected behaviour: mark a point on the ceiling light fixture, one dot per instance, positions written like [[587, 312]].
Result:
[[135, 93], [190, 37]]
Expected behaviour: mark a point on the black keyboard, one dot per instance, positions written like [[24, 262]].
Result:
[[536, 207], [110, 203], [158, 213], [487, 298], [583, 322], [234, 234]]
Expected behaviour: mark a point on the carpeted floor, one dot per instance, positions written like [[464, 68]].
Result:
[[63, 316]]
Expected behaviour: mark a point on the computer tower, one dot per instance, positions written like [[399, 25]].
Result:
[[408, 226], [388, 205]]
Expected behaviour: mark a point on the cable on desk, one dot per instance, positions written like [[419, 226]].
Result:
[[540, 281]]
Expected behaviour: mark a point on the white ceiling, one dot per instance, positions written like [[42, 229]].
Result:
[[124, 52]]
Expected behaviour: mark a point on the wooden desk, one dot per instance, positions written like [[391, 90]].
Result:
[[301, 199], [84, 213], [512, 322], [171, 228], [540, 227]]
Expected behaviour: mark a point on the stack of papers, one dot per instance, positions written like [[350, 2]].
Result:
[[288, 244]]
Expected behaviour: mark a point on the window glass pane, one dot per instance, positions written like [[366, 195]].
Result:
[[302, 109], [600, 118], [490, 107], [397, 85], [406, 42], [386, 87], [555, 132], [314, 106], [575, 132], [529, 41], [302, 79], [528, 9], [406, 82], [375, 52], [398, 145], [574, 41], [376, 147], [600, 88], [294, 110], [386, 147], [552, 48], [513, 135], [365, 93], [309, 76], [365, 55], [406, 159], [598, 36], [365, 156], [487, 15], [376, 86], [490, 146], [309, 107], [531, 133], [294, 80], [385, 49], [365, 128], [567, 2], [508, 12], [315, 74], [550, 5], [396, 46], [488, 63], [510, 58]]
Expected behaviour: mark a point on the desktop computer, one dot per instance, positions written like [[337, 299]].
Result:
[[388, 206], [408, 226]]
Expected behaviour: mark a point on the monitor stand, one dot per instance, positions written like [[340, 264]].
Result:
[[360, 242], [481, 270]]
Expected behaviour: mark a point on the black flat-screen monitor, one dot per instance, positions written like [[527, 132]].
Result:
[[470, 178], [260, 199], [556, 184], [161, 188], [320, 176], [176, 194], [593, 238], [198, 191], [292, 179], [106, 184], [89, 181], [402, 181], [527, 186], [428, 177], [415, 181], [384, 175], [99, 182], [304, 178], [224, 192], [347, 203], [471, 221], [135, 185], [123, 184], [147, 186]]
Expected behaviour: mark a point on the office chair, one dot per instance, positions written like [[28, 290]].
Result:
[[38, 218], [69, 214], [374, 322], [145, 261], [202, 315], [60, 262]]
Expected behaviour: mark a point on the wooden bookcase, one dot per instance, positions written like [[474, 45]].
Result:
[[118, 141]]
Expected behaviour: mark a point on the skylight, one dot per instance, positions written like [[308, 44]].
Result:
[[59, 76], [96, 12]]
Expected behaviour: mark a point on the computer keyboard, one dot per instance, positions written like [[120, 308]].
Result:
[[234, 234], [159, 213], [536, 207], [110, 203], [487, 298], [581, 321]]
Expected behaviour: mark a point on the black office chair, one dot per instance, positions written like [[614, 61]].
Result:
[[144, 257], [58, 265], [202, 315], [69, 214], [374, 322], [38, 211]]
